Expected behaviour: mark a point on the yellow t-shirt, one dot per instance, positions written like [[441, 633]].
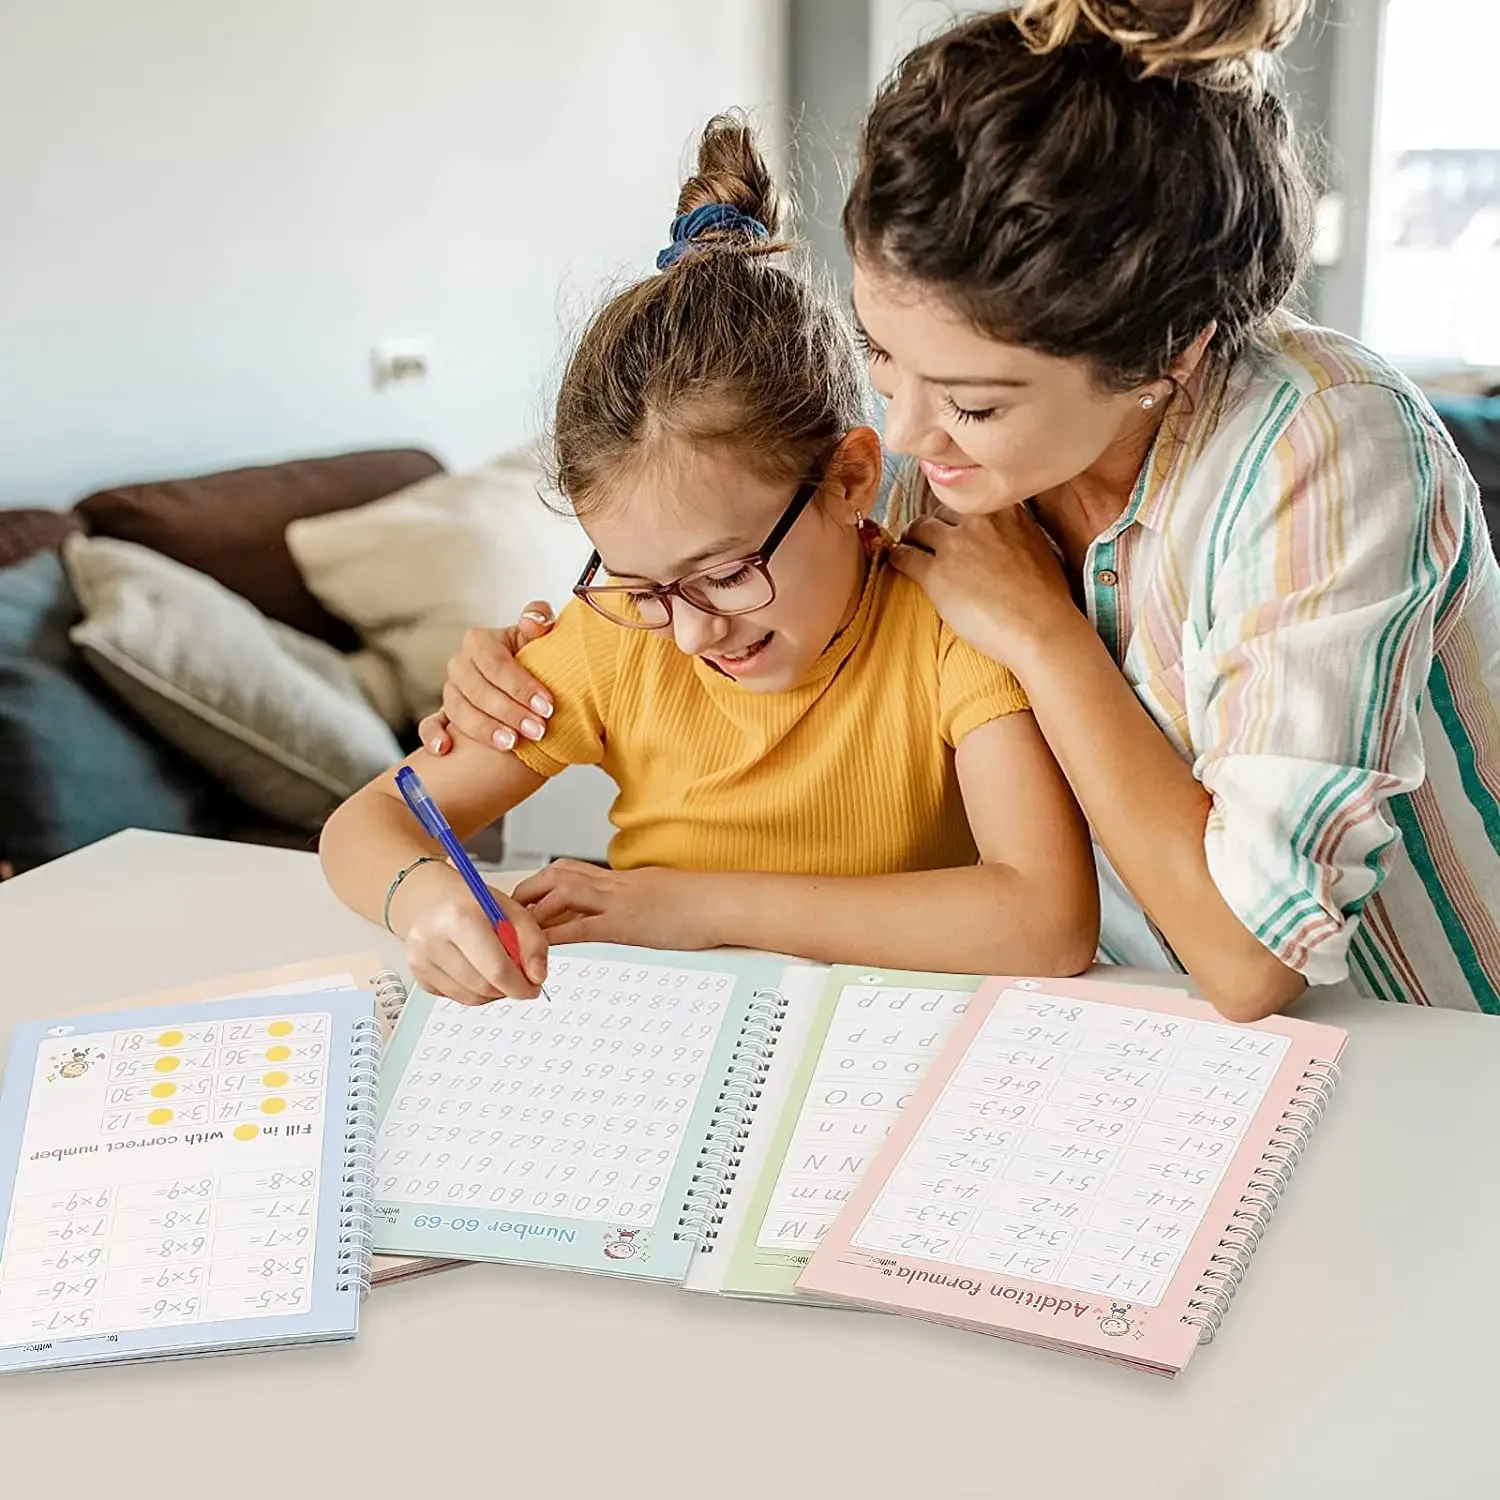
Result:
[[850, 772]]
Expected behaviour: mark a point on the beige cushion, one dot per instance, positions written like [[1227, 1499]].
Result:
[[274, 714], [411, 572]]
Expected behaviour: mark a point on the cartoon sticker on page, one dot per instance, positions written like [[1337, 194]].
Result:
[[1115, 1323], [73, 1062], [626, 1244]]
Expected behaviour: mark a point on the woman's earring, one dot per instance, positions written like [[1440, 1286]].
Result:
[[1148, 400], [859, 520]]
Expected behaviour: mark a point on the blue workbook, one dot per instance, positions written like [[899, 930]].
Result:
[[186, 1179]]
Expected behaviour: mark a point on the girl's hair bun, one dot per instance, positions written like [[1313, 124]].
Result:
[[732, 171]]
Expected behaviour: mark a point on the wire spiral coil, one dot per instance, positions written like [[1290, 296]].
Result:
[[356, 1191], [729, 1126], [1220, 1279], [390, 994]]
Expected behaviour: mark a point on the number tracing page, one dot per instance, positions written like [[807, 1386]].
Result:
[[574, 1108], [880, 1044], [1078, 1144], [167, 1176]]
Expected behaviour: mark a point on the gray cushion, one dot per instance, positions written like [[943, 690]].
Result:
[[275, 714]]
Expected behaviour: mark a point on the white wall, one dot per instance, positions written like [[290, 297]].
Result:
[[210, 211]]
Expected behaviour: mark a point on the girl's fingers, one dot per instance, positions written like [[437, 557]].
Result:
[[575, 929], [437, 980], [534, 887]]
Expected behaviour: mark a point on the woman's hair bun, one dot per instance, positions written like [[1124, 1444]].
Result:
[[732, 171], [1219, 43]]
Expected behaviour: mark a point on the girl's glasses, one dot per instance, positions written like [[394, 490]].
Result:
[[728, 588]]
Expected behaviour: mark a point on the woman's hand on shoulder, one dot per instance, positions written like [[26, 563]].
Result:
[[576, 902], [994, 579], [489, 696]]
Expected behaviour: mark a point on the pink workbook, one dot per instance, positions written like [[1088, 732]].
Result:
[[1088, 1166]]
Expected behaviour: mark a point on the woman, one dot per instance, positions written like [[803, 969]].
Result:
[[1234, 560]]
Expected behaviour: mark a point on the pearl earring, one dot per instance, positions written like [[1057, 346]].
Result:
[[1148, 400]]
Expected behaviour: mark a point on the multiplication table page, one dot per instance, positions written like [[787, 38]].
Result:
[[171, 1174], [565, 1130]]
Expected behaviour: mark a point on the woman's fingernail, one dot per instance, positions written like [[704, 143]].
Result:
[[532, 729], [505, 738], [437, 747], [540, 618], [541, 705]]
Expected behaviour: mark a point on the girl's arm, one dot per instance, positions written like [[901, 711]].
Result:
[[1030, 907], [373, 836]]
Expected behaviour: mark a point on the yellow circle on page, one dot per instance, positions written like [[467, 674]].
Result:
[[167, 1064], [159, 1117], [275, 1079], [279, 1028], [278, 1054], [272, 1106], [163, 1090], [169, 1039], [246, 1132]]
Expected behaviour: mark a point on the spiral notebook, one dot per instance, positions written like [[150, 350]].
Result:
[[342, 971], [187, 1179], [1086, 1166], [596, 1130], [851, 1047]]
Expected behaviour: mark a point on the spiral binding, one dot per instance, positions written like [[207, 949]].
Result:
[[357, 1191], [390, 994], [723, 1150], [1227, 1265]]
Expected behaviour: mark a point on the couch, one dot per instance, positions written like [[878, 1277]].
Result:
[[76, 763]]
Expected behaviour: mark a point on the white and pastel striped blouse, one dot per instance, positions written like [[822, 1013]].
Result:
[[1305, 599]]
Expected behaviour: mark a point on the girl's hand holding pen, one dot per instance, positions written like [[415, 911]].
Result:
[[452, 947], [486, 950]]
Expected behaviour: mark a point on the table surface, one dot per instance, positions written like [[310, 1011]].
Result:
[[1355, 1361]]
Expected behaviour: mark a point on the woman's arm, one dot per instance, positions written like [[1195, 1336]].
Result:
[[1149, 814], [1030, 907]]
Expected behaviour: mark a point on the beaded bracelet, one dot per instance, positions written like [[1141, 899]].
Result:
[[426, 859]]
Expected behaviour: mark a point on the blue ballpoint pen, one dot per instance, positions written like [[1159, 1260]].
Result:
[[430, 816]]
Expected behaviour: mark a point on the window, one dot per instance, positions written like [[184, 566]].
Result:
[[1432, 290]]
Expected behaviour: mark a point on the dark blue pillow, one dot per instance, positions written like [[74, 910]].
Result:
[[74, 765]]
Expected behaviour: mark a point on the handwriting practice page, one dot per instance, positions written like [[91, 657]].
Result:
[[170, 1173], [562, 1131], [877, 1038], [1077, 1143]]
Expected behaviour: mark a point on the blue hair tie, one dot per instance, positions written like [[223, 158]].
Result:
[[688, 227]]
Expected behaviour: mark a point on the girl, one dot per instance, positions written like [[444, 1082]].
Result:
[[1234, 559], [728, 661]]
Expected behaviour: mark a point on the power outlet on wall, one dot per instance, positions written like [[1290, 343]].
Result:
[[400, 359]]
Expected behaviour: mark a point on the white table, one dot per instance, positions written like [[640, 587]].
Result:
[[1358, 1360]]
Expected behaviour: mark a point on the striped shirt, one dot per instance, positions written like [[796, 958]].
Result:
[[1304, 597]]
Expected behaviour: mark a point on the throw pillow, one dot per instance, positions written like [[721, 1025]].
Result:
[[75, 764], [232, 525], [411, 572], [276, 715]]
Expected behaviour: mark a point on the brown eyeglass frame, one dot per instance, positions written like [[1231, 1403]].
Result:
[[759, 560]]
